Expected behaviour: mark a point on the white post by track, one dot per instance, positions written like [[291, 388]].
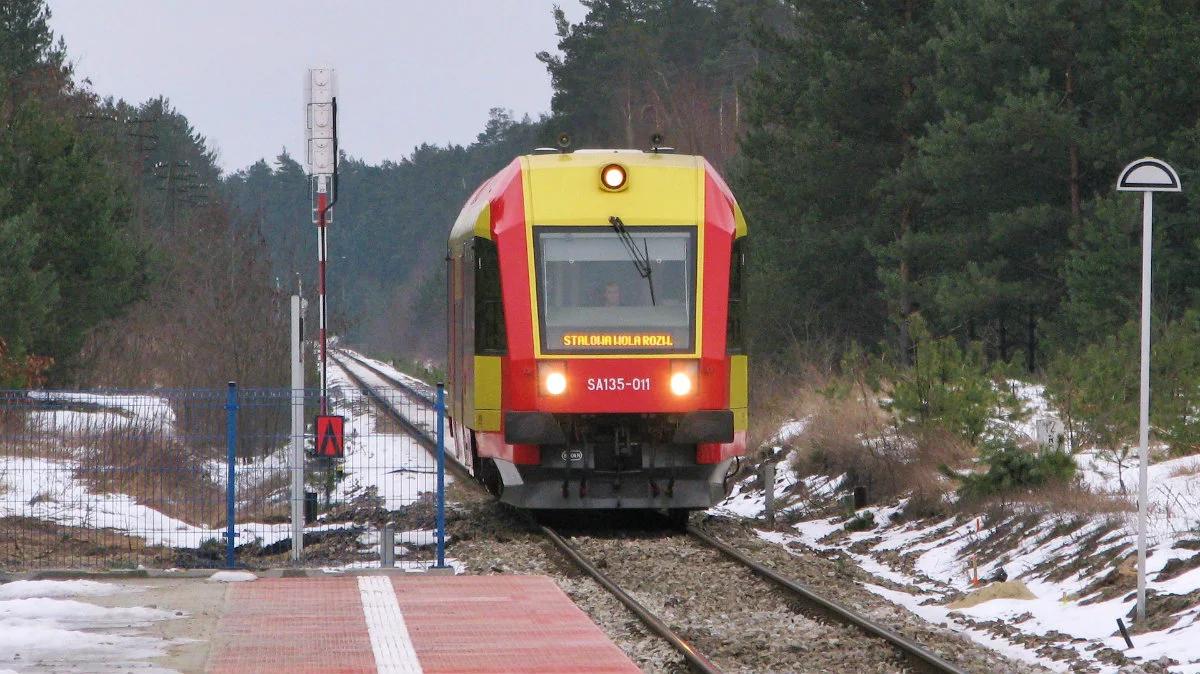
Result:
[[297, 448], [1146, 175]]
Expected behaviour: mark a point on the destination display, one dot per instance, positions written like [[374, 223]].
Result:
[[617, 340]]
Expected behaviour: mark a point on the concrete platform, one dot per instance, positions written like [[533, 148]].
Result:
[[406, 623]]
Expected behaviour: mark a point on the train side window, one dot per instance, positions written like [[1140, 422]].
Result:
[[735, 335], [489, 303]]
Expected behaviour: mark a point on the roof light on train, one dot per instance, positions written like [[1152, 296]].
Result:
[[612, 177]]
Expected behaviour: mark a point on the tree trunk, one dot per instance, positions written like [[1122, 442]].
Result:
[[1031, 344], [1073, 156], [906, 217], [1003, 341], [628, 113]]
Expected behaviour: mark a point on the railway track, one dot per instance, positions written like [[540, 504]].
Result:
[[877, 642], [423, 398], [698, 550], [918, 655], [419, 433]]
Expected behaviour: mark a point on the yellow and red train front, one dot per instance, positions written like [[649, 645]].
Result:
[[620, 376]]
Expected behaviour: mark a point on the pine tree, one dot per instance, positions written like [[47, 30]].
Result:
[[833, 114], [28, 294]]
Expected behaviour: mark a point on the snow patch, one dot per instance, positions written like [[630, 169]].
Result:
[[26, 589], [932, 559], [232, 577]]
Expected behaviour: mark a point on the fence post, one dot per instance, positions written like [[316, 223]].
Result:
[[441, 475], [231, 410]]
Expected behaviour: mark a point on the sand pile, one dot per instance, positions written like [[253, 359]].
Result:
[[1013, 589]]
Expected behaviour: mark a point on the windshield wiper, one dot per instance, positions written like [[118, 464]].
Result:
[[641, 258]]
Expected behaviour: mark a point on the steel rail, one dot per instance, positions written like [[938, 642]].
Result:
[[695, 659], [906, 646], [418, 434], [421, 398]]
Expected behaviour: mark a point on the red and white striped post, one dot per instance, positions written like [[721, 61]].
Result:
[[321, 122], [322, 199]]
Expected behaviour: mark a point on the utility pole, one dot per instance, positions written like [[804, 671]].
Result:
[[321, 124]]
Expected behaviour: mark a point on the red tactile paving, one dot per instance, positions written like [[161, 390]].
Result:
[[292, 626], [458, 624], [484, 624]]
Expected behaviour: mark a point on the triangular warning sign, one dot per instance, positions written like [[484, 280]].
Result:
[[330, 436]]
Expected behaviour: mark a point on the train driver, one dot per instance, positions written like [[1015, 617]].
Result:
[[612, 295]]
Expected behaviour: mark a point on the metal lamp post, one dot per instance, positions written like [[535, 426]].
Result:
[[1146, 175]]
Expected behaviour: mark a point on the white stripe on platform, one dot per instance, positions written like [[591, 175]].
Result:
[[393, 648]]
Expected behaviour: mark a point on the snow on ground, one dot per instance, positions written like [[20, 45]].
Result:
[[107, 411], [232, 577], [390, 465], [47, 490], [54, 589], [39, 628], [398, 468], [1077, 564]]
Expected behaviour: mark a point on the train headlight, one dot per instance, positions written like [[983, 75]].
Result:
[[681, 385], [612, 177], [683, 377], [553, 377]]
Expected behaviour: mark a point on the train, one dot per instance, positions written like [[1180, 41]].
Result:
[[596, 349]]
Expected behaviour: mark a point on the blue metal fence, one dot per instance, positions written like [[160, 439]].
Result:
[[202, 478]]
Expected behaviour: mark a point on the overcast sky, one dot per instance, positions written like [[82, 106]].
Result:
[[409, 71]]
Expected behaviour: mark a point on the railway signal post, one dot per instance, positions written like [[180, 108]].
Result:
[[1147, 175], [322, 151]]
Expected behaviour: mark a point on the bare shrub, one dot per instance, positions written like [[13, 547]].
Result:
[[778, 396], [852, 436], [213, 314], [1190, 468], [1077, 499], [265, 500], [157, 471]]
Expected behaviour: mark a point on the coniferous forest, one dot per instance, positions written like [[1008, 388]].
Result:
[[123, 264], [914, 172]]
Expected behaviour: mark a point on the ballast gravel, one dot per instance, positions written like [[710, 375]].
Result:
[[490, 539], [736, 619]]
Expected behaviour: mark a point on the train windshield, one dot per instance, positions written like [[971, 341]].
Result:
[[596, 296]]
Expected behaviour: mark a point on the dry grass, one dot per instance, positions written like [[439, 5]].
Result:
[[155, 470], [777, 397], [31, 543], [851, 435], [1186, 469], [266, 501], [1076, 499]]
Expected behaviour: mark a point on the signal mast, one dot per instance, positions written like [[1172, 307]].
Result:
[[322, 159]]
